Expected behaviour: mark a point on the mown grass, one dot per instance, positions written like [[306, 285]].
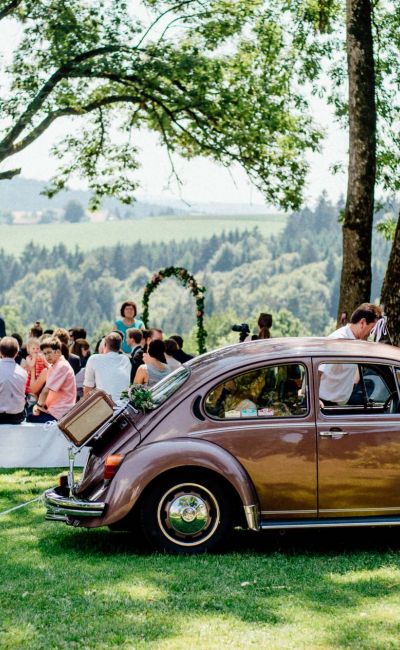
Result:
[[89, 235], [72, 588]]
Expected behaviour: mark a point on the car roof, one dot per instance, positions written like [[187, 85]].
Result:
[[261, 350]]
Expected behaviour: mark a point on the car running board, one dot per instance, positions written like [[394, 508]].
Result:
[[329, 523]]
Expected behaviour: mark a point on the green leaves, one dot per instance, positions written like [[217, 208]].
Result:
[[218, 78]]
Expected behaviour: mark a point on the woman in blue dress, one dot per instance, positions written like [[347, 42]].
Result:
[[128, 319]]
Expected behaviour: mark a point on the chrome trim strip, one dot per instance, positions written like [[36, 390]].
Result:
[[289, 512], [252, 517], [334, 523], [331, 510]]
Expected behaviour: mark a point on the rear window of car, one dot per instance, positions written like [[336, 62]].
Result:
[[168, 386]]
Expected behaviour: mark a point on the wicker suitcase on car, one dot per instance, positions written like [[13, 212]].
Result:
[[86, 417]]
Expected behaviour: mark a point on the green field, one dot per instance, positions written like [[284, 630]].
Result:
[[67, 588], [87, 236]]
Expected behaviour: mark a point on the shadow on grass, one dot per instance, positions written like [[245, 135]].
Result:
[[294, 542], [265, 579]]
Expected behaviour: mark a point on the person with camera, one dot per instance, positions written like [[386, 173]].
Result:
[[264, 325]]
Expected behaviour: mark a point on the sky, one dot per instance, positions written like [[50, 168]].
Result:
[[202, 179]]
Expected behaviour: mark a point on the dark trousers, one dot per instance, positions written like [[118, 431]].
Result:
[[43, 417], [12, 418]]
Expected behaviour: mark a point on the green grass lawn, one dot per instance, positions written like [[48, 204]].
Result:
[[92, 235], [71, 588]]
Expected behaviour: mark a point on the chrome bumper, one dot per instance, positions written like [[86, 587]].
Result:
[[64, 508]]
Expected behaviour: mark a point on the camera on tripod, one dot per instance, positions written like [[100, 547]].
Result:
[[243, 329]]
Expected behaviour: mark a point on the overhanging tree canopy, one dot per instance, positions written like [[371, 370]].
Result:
[[212, 77]]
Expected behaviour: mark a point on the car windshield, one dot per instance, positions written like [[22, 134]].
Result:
[[166, 387]]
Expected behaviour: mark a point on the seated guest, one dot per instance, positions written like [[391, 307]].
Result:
[[12, 383], [109, 371], [180, 355], [35, 332], [136, 341], [134, 338], [171, 348], [137, 359], [81, 347], [155, 367], [58, 395], [72, 358], [20, 342], [34, 363], [76, 333]]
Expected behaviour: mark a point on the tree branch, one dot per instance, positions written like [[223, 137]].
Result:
[[10, 173], [9, 8], [44, 92], [81, 110]]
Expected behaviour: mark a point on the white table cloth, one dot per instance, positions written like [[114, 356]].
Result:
[[35, 445]]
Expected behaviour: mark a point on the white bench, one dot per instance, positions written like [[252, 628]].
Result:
[[35, 445]]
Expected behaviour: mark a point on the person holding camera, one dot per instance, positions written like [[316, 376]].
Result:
[[264, 325]]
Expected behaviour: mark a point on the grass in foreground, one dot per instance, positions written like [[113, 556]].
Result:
[[71, 588]]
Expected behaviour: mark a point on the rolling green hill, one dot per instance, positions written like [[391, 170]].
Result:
[[88, 236]]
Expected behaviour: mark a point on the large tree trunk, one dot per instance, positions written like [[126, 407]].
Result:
[[355, 286], [390, 295]]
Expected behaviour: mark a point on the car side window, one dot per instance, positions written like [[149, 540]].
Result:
[[357, 388], [269, 392]]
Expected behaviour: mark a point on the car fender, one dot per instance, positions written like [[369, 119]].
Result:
[[147, 462]]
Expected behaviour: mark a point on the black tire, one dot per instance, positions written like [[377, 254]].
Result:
[[186, 514]]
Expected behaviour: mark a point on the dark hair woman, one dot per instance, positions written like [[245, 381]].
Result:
[[155, 365], [128, 313]]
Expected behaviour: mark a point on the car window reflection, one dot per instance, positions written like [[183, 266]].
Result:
[[269, 392]]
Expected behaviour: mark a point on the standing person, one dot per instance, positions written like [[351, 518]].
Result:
[[12, 383], [264, 325], [58, 395], [181, 356], [155, 365], [337, 379], [109, 371], [2, 328], [128, 320]]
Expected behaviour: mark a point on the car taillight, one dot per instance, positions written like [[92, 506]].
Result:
[[111, 465]]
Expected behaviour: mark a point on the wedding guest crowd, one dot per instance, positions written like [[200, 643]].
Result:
[[43, 376]]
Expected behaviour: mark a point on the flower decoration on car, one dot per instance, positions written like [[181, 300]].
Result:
[[188, 281], [140, 397]]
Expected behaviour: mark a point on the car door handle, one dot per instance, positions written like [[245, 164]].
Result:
[[333, 433]]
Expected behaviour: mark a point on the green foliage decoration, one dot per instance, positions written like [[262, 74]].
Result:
[[141, 398], [189, 282]]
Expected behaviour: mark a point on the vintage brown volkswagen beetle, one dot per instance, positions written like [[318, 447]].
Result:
[[239, 437]]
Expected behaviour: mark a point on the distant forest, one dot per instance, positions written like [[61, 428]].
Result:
[[294, 275]]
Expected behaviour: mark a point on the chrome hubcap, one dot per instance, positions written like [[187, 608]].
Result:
[[188, 514]]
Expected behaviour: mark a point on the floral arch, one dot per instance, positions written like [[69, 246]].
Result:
[[189, 282]]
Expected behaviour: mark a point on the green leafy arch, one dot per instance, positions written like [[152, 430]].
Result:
[[189, 282]]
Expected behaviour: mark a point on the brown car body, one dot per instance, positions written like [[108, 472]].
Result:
[[183, 467]]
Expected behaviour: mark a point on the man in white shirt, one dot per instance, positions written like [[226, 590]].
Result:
[[12, 383], [337, 379], [109, 371]]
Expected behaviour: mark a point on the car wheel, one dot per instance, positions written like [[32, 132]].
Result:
[[185, 515]]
